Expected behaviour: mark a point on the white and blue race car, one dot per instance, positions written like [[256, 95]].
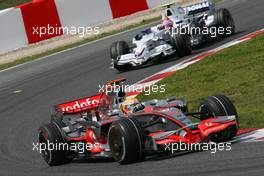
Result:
[[147, 45], [190, 26]]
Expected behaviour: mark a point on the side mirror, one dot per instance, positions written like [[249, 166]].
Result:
[[163, 120], [157, 119], [154, 119]]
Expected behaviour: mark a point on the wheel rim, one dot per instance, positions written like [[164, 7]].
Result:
[[188, 41], [46, 154], [228, 21], [116, 144]]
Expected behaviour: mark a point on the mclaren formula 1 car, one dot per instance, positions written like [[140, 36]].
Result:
[[96, 127]]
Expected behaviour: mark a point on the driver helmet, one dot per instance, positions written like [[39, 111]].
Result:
[[167, 23], [130, 105]]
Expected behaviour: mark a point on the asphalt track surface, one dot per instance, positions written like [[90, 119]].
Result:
[[28, 91]]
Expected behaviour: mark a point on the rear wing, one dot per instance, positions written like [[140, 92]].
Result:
[[82, 105], [199, 7], [88, 104]]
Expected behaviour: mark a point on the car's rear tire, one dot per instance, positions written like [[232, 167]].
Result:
[[220, 105], [117, 49], [182, 44], [51, 134], [224, 19], [126, 141]]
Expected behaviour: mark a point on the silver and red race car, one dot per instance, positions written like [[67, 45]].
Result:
[[98, 127]]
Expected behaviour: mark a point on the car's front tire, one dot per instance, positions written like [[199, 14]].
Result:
[[126, 141], [220, 105], [118, 49]]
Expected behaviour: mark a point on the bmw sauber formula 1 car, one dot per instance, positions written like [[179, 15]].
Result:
[[149, 44], [191, 26], [99, 123]]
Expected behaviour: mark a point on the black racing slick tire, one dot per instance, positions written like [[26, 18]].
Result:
[[117, 49], [224, 19], [220, 105], [50, 135], [182, 44], [126, 141]]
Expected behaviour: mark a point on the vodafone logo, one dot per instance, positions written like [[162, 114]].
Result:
[[79, 105]]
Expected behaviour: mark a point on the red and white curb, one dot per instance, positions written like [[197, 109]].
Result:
[[248, 135]]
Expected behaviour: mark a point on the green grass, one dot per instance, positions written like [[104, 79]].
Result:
[[11, 3], [55, 50], [237, 72]]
